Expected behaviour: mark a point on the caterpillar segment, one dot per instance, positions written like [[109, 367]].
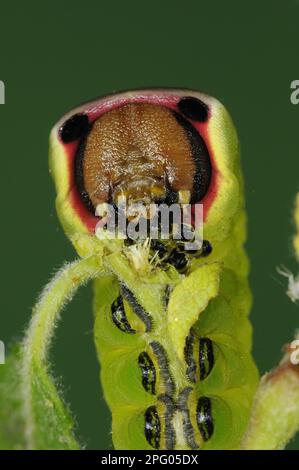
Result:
[[171, 325]]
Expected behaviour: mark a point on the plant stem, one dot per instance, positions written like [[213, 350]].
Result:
[[275, 414], [57, 293]]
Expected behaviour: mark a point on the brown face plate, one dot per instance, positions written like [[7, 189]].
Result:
[[139, 150]]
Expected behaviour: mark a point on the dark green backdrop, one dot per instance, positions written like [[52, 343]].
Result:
[[55, 55]]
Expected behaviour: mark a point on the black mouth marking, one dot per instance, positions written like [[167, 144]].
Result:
[[194, 109], [74, 128]]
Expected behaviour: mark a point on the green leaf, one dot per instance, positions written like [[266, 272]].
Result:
[[184, 307], [11, 419], [54, 427]]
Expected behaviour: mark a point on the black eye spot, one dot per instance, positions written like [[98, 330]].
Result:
[[74, 128], [204, 418], [194, 109], [148, 372], [152, 428], [118, 315]]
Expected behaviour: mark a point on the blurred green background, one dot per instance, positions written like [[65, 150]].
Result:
[[55, 55]]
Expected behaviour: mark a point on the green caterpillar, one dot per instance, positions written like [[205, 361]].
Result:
[[171, 326]]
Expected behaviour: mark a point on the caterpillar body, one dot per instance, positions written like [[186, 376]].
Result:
[[171, 325]]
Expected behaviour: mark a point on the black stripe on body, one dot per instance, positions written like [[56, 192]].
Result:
[[119, 317], [148, 372], [199, 357], [152, 427], [167, 293], [187, 425], [137, 308], [204, 418], [79, 172], [206, 357], [168, 416], [201, 158], [163, 363], [188, 354]]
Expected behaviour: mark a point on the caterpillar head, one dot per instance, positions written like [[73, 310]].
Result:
[[144, 146]]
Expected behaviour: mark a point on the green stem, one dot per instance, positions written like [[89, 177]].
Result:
[[53, 298]]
